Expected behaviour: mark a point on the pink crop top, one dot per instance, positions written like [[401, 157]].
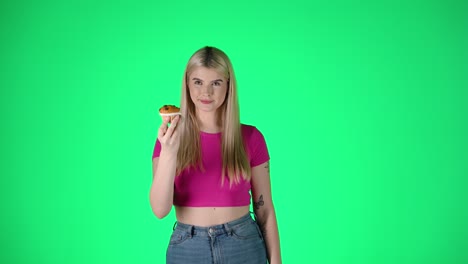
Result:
[[195, 188]]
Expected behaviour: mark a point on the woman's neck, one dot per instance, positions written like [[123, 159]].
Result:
[[208, 122]]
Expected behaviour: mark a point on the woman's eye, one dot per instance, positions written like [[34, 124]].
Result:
[[197, 82], [217, 83]]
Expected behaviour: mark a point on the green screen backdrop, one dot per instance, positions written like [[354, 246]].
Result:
[[363, 105]]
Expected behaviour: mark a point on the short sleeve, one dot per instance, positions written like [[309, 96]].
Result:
[[258, 148], [157, 149]]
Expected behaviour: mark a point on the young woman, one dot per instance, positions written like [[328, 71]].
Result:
[[205, 163]]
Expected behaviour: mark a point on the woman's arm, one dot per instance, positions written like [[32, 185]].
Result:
[[164, 170], [162, 188], [265, 211]]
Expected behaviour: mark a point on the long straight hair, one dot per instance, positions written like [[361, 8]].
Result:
[[234, 157]]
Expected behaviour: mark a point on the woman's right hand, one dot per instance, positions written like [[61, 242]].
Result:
[[169, 136]]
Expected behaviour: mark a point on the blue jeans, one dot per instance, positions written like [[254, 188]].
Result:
[[238, 241]]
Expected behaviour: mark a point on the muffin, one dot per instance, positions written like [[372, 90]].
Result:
[[169, 110]]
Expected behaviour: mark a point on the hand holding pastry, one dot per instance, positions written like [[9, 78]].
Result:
[[169, 112], [168, 135]]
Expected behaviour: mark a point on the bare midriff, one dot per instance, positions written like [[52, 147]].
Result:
[[209, 216]]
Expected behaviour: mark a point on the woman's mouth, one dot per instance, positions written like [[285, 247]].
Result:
[[206, 101]]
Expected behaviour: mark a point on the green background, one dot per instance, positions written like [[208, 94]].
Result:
[[363, 105]]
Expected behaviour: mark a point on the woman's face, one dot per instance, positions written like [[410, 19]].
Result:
[[208, 89]]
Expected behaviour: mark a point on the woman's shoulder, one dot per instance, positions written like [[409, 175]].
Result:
[[255, 144], [249, 131], [246, 128]]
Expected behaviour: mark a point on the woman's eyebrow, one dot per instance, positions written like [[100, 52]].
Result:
[[198, 79]]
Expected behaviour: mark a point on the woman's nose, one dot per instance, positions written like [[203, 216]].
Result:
[[207, 89]]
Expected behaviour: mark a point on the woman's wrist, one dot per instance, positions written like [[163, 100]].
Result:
[[168, 155]]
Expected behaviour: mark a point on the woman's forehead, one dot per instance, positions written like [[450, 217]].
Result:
[[205, 73]]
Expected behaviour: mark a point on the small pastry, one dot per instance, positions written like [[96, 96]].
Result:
[[169, 110]]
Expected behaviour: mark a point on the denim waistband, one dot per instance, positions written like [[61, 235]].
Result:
[[215, 230]]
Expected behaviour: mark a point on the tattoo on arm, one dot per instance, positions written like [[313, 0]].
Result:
[[267, 166], [259, 203], [260, 223]]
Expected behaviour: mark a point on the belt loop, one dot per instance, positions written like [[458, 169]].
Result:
[[191, 231], [228, 229], [173, 228]]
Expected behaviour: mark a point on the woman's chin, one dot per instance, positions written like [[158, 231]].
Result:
[[206, 108]]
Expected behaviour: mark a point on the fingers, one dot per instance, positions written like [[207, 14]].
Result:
[[174, 137], [163, 128], [167, 132], [173, 126]]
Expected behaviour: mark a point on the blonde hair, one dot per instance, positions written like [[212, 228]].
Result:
[[234, 157]]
